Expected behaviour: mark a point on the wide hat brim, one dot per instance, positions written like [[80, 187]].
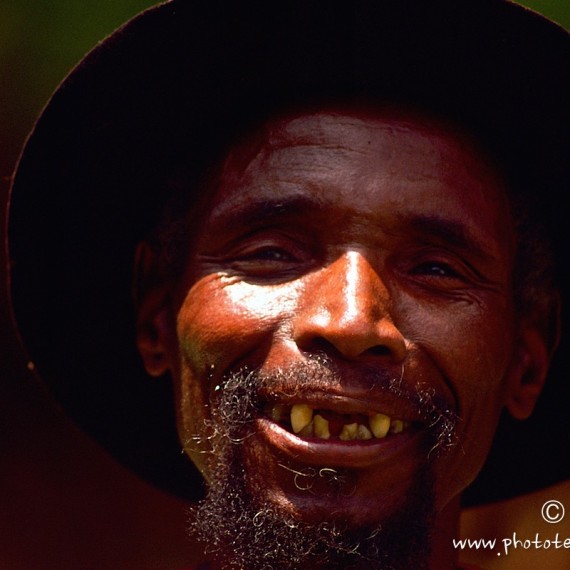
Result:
[[180, 81]]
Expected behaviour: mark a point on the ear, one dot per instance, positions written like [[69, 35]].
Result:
[[154, 318], [527, 373]]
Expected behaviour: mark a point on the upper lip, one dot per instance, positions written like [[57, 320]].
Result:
[[348, 402]]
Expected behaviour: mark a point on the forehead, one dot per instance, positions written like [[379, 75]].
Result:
[[374, 166]]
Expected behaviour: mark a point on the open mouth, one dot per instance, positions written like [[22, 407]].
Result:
[[307, 422]]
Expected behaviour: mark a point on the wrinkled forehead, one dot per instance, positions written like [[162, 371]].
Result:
[[427, 140], [313, 153]]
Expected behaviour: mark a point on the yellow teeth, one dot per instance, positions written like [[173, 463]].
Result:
[[307, 424], [380, 425], [397, 426], [308, 430], [301, 417], [349, 432], [363, 432], [321, 427]]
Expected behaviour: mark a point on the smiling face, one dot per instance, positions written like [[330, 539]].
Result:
[[361, 267]]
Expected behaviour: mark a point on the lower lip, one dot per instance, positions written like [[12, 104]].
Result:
[[337, 453]]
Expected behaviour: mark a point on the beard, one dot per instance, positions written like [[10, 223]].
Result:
[[242, 529]]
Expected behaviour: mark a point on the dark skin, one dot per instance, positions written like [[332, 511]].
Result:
[[384, 241]]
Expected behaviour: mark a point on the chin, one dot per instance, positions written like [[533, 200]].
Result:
[[245, 519]]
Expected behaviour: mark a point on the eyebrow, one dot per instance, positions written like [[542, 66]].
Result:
[[448, 231], [255, 212], [432, 228]]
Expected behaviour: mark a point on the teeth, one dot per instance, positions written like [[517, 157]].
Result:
[[397, 426], [306, 425], [363, 432], [308, 430], [380, 425], [349, 432], [301, 416], [321, 427]]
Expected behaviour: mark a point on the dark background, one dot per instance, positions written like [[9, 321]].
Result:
[[64, 504]]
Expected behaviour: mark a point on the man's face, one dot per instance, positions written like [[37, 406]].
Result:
[[360, 266]]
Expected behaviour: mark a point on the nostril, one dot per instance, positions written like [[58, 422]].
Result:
[[322, 345], [379, 350]]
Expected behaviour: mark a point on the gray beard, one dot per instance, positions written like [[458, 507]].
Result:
[[241, 529]]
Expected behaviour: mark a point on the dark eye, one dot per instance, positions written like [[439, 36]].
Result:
[[436, 269], [268, 261], [440, 276], [270, 254]]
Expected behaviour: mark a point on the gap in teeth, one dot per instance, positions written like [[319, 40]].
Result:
[[324, 424]]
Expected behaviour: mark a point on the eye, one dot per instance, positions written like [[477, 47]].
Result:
[[278, 258], [270, 254], [436, 269], [438, 272]]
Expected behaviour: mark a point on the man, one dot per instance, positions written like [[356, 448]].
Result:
[[335, 262]]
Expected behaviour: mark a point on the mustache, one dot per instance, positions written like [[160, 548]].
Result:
[[239, 398]]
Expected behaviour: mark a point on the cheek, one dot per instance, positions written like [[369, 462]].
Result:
[[223, 320], [471, 343], [222, 324], [471, 346]]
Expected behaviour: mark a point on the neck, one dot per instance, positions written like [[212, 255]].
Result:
[[446, 528]]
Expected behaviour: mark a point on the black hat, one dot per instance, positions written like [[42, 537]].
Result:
[[169, 90]]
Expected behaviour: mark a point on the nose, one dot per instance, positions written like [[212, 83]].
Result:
[[346, 310]]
